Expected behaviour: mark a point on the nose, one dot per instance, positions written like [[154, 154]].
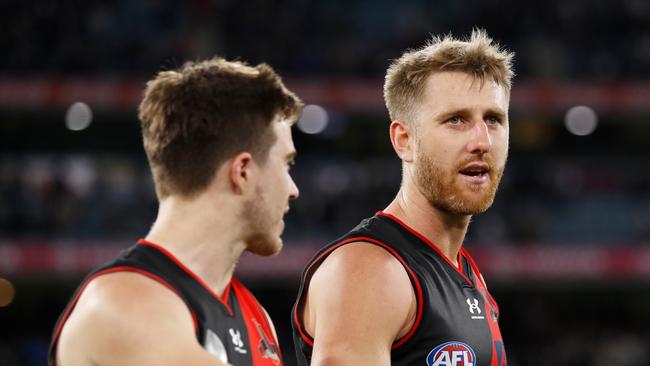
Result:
[[293, 189], [481, 141]]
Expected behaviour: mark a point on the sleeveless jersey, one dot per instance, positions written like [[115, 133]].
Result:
[[233, 328], [456, 321]]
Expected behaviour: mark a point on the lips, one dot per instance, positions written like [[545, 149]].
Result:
[[475, 169], [475, 174]]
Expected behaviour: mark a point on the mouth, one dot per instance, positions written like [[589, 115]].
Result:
[[476, 173]]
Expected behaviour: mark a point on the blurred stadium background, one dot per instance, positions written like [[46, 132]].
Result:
[[566, 247]]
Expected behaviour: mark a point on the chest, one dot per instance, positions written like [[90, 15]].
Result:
[[236, 335], [459, 320]]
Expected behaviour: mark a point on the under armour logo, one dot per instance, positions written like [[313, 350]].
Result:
[[473, 305], [236, 340]]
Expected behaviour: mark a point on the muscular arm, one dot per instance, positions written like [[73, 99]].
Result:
[[128, 319], [360, 300]]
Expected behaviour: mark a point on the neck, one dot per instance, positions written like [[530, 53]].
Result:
[[445, 230], [210, 248]]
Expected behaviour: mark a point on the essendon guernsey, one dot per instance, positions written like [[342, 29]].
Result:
[[233, 328], [456, 321]]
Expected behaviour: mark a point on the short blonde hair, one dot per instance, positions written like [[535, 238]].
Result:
[[478, 56]]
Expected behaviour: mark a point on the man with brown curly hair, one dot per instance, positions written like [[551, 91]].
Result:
[[399, 289], [218, 139]]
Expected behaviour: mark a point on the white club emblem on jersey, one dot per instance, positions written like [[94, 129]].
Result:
[[236, 340], [215, 347], [474, 308]]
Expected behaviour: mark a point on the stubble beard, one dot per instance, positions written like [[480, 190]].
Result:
[[443, 191], [261, 238]]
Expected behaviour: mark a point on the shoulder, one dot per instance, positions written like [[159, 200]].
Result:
[[360, 259], [130, 296], [371, 280], [360, 290], [133, 307]]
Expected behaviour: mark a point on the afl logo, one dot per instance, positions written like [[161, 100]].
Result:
[[452, 354]]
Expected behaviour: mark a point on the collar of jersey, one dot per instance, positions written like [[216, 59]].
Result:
[[431, 245], [226, 293]]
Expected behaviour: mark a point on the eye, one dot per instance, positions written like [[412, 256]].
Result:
[[492, 120], [455, 120]]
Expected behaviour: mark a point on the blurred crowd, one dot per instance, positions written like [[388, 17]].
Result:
[[575, 327], [559, 39], [74, 197], [595, 200]]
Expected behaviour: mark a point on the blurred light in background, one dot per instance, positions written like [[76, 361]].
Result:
[[7, 292], [581, 120], [314, 119], [333, 179], [78, 116]]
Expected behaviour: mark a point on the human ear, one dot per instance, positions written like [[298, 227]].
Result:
[[401, 138], [241, 172]]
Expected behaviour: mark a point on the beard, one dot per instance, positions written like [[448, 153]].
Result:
[[445, 192], [262, 238]]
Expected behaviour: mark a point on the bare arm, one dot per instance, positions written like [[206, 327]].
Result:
[[360, 300], [128, 319]]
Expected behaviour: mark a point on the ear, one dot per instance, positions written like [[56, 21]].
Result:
[[402, 140], [241, 172]]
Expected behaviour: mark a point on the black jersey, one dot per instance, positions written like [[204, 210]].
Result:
[[456, 321], [233, 328]]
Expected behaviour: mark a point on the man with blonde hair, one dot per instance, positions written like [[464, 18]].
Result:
[[399, 289], [218, 138]]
